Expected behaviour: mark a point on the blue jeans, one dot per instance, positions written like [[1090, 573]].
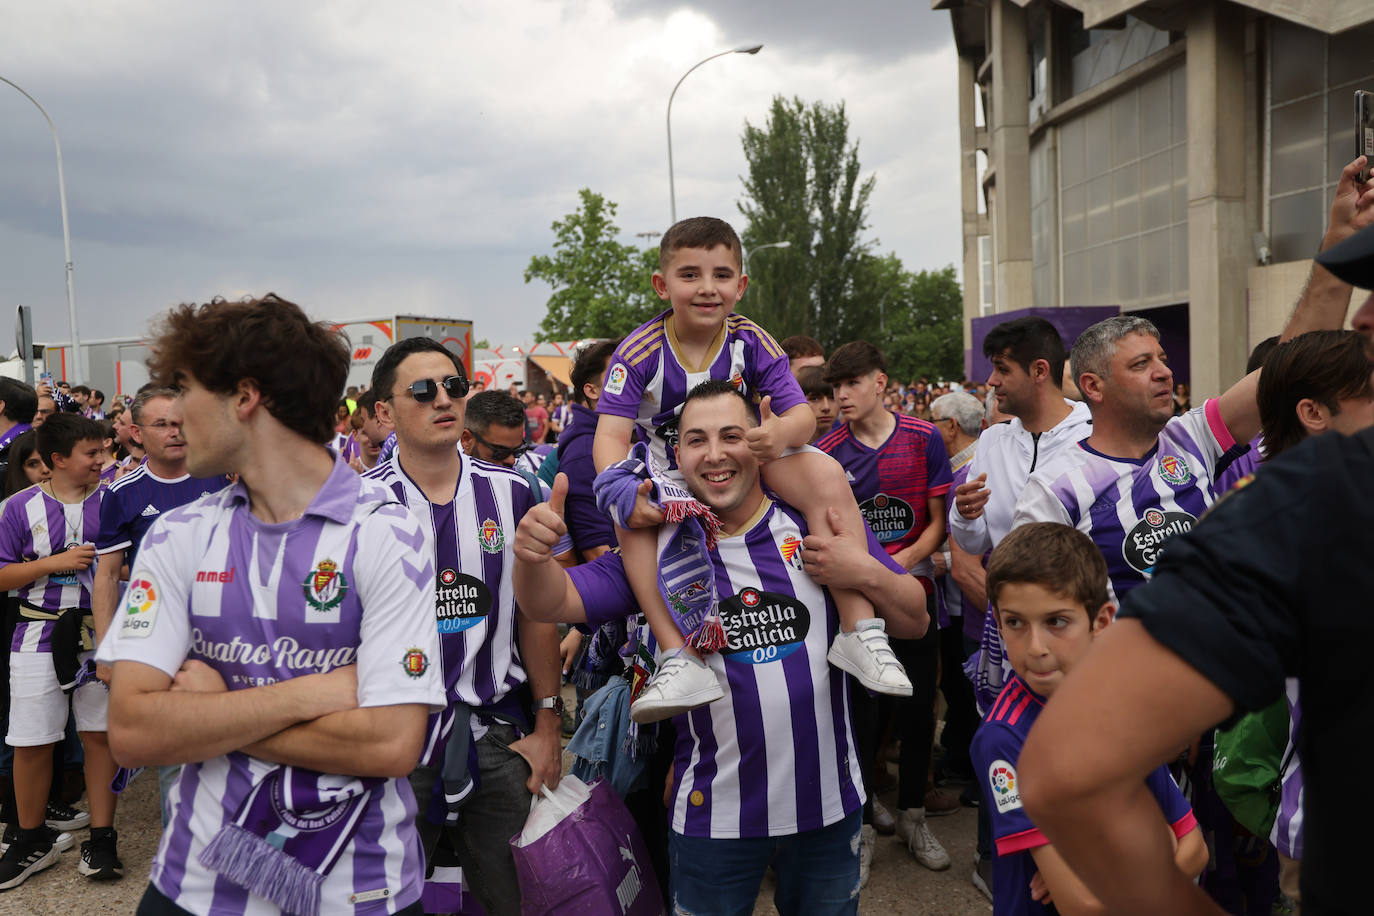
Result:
[[818, 872]]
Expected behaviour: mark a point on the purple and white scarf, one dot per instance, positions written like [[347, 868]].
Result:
[[288, 833]]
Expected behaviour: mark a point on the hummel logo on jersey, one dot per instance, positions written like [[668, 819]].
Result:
[[149, 512], [210, 575], [848, 476]]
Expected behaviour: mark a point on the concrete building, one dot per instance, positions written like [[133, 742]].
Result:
[[1171, 158]]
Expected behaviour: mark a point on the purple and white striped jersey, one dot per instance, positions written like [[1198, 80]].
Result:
[[475, 610], [34, 525], [344, 445], [1130, 507], [350, 582], [776, 755], [648, 382], [1286, 834]]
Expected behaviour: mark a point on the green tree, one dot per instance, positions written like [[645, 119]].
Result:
[[600, 285], [804, 187], [924, 331]]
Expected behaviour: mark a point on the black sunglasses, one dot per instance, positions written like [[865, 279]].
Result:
[[499, 453], [426, 389]]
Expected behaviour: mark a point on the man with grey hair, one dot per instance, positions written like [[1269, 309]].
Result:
[[1144, 475]]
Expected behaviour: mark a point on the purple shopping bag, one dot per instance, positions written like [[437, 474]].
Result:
[[592, 861]]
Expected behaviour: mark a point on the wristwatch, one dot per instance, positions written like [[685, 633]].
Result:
[[554, 702]]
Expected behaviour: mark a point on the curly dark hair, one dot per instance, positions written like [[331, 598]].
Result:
[[300, 366]]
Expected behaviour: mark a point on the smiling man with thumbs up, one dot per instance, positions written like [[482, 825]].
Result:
[[768, 773]]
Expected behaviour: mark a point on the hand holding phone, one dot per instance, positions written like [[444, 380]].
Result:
[[1364, 130]]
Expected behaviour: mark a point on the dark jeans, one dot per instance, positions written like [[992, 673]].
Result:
[[818, 872], [493, 814]]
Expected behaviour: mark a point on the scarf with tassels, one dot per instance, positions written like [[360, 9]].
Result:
[[288, 833], [686, 575]]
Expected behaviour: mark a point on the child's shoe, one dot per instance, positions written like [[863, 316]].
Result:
[[681, 684], [866, 654]]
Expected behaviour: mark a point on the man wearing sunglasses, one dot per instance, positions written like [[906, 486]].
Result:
[[494, 429], [492, 747]]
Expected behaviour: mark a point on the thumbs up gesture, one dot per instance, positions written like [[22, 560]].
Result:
[[542, 527], [766, 439]]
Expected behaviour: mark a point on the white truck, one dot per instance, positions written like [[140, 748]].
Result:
[[368, 339]]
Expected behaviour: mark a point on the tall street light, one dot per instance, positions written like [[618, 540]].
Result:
[[672, 189], [745, 266], [66, 235]]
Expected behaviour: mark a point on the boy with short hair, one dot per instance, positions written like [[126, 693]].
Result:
[[700, 275], [1047, 584], [820, 397], [47, 549]]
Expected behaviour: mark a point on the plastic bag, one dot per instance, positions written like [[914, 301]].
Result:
[[581, 853], [1247, 766]]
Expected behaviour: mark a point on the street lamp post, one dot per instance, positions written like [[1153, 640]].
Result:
[[745, 254], [66, 234], [672, 190]]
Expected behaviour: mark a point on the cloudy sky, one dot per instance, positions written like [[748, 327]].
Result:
[[365, 158]]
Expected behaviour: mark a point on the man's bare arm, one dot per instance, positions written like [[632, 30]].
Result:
[[376, 741], [155, 720], [969, 574], [843, 561], [1130, 706]]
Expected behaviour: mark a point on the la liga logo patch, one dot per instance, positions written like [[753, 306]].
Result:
[[1002, 780], [140, 608], [415, 663]]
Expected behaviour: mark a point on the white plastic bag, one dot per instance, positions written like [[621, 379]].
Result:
[[550, 807]]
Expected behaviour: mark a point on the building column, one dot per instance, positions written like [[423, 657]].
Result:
[[969, 193], [1010, 155], [1218, 234]]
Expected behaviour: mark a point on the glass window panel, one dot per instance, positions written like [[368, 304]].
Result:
[[1126, 200], [1071, 153], [1178, 104], [1040, 287], [1155, 123], [1155, 279], [1351, 60], [1076, 288], [1073, 217], [1100, 265], [1100, 210], [1295, 225], [1156, 185], [1126, 258], [1297, 156], [1099, 141], [1295, 55], [1126, 126], [1180, 183], [1180, 236]]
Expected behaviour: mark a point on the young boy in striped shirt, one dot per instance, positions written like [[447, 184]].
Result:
[[700, 274]]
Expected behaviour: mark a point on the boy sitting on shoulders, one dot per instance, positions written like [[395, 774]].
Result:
[[1047, 584]]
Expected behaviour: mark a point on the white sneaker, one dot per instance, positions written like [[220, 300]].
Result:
[[865, 654], [681, 684], [913, 830], [883, 821], [868, 839]]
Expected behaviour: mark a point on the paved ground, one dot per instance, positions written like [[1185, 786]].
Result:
[[898, 886]]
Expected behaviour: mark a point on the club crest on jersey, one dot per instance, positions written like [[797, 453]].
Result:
[[762, 627], [615, 379], [737, 382], [1175, 471], [1002, 780], [325, 587], [415, 662], [790, 548], [490, 537]]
